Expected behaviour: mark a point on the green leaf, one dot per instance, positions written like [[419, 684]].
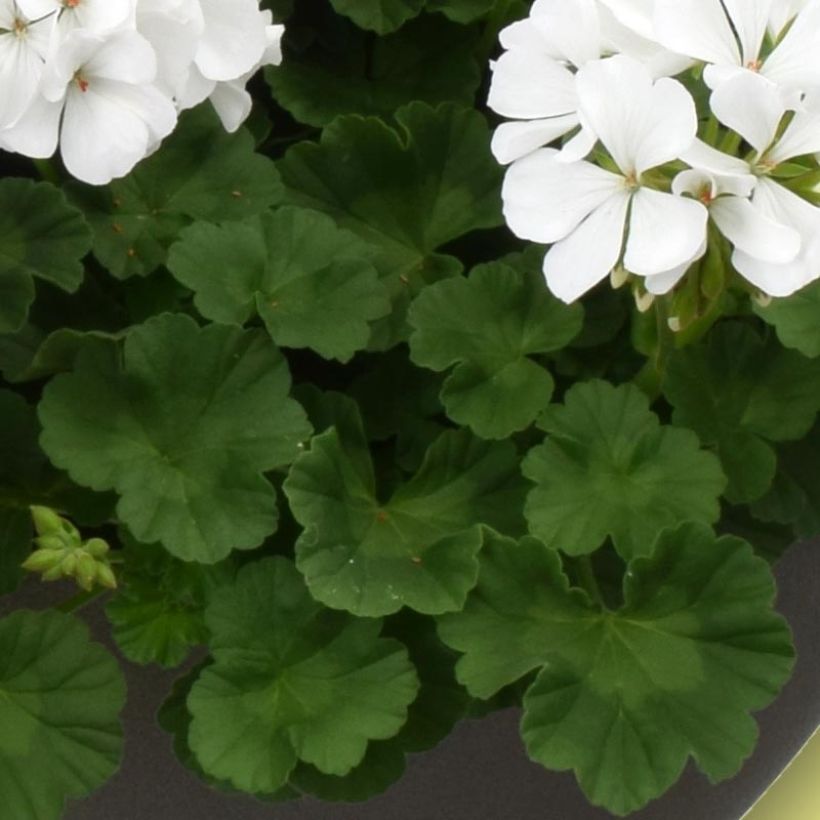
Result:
[[158, 613], [463, 11], [41, 236], [419, 548], [292, 681], [381, 16], [488, 326], [605, 444], [794, 497], [394, 395], [344, 71], [624, 697], [30, 354], [406, 191], [21, 463], [738, 393], [181, 424], [60, 697], [440, 703], [200, 172], [311, 282], [796, 319], [173, 717]]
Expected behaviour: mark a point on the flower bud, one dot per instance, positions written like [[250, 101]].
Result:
[[53, 574], [96, 547], [42, 560], [85, 571], [69, 563], [105, 576], [46, 521], [52, 542]]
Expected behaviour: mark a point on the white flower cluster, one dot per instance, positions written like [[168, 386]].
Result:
[[640, 184], [106, 78]]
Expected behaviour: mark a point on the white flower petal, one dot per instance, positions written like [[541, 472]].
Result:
[[749, 19], [633, 14], [232, 103], [642, 124], [782, 13], [664, 231], [661, 283], [545, 199], [579, 146], [698, 28], [108, 130], [588, 255], [785, 207], [513, 140], [36, 133], [795, 62], [704, 157], [20, 70], [571, 28], [802, 136], [531, 85], [752, 231], [234, 38], [752, 106], [525, 35]]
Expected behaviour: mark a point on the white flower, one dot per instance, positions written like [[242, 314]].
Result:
[[765, 230], [173, 28], [23, 46], [584, 209], [221, 77], [729, 35], [534, 79], [98, 16], [112, 114]]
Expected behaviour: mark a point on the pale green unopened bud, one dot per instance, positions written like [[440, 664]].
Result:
[[85, 571], [105, 576], [53, 574], [46, 521], [41, 560], [52, 542], [96, 547], [69, 563]]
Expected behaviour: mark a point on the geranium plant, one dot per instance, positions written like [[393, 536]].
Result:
[[393, 361]]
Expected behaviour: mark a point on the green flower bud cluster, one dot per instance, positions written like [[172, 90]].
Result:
[[62, 553]]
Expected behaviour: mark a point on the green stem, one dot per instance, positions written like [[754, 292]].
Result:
[[81, 599], [586, 576]]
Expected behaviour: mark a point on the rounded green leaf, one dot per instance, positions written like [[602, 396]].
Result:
[[407, 190], [624, 697], [292, 681], [60, 698], [738, 393], [41, 236], [157, 614], [346, 71], [311, 282], [182, 425], [419, 548], [488, 325], [608, 468], [199, 172], [381, 16], [796, 319]]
